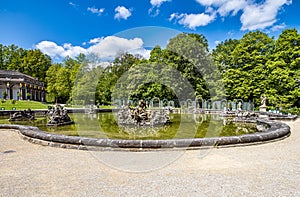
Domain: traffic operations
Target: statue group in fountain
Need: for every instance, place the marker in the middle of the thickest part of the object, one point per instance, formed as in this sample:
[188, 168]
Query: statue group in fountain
[141, 116]
[26, 115]
[58, 116]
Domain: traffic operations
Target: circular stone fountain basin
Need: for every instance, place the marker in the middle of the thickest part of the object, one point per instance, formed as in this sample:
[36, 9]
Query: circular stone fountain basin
[269, 131]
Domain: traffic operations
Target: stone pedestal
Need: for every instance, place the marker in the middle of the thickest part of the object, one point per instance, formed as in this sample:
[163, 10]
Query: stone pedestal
[263, 108]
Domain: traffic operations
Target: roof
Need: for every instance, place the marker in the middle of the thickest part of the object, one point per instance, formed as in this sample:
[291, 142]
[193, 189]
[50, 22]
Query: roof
[15, 74]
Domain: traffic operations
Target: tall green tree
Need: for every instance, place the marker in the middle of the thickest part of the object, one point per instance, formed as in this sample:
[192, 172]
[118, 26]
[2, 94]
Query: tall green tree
[244, 70]
[284, 68]
[112, 73]
[188, 53]
[223, 55]
[51, 80]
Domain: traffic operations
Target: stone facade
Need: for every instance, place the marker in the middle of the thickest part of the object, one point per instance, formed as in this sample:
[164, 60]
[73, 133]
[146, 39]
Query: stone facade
[19, 86]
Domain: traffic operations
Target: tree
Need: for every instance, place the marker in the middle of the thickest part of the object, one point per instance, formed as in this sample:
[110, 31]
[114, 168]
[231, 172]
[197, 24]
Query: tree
[189, 54]
[223, 55]
[31, 62]
[36, 64]
[243, 65]
[51, 80]
[284, 67]
[110, 75]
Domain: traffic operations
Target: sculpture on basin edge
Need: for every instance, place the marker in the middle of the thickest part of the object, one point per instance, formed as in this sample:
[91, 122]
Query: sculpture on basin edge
[263, 101]
[58, 116]
[142, 117]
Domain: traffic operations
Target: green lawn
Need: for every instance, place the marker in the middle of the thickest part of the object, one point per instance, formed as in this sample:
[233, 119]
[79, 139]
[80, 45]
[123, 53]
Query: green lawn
[21, 105]
[101, 106]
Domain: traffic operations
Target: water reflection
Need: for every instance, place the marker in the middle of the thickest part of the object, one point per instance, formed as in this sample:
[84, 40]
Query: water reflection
[104, 125]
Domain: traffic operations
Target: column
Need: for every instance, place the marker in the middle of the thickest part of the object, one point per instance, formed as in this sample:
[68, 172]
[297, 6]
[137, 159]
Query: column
[21, 92]
[7, 91]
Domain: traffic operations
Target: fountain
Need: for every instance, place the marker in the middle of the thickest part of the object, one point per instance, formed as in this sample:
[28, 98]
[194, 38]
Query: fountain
[141, 128]
[58, 116]
[26, 115]
[140, 116]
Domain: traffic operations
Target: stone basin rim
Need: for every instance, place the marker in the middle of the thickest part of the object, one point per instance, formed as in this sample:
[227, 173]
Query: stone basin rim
[274, 131]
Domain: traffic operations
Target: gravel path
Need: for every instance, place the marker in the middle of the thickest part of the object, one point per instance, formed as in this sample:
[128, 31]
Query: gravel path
[271, 169]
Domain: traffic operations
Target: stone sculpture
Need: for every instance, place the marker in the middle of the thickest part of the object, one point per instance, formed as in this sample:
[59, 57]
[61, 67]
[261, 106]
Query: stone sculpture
[263, 100]
[58, 116]
[141, 116]
[263, 107]
[26, 115]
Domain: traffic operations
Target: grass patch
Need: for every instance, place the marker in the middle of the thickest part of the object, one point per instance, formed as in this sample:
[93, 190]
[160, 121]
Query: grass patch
[21, 105]
[95, 106]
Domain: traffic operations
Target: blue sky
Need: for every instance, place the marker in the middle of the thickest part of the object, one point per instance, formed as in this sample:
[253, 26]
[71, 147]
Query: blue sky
[69, 27]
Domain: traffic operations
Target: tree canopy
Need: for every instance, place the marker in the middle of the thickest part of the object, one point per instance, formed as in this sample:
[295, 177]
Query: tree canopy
[31, 62]
[257, 64]
[243, 68]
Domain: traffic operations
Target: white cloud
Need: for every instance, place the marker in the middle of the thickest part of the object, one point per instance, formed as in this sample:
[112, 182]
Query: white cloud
[72, 51]
[211, 2]
[56, 51]
[193, 21]
[233, 6]
[106, 48]
[50, 48]
[96, 40]
[110, 46]
[261, 16]
[254, 15]
[224, 7]
[278, 27]
[154, 11]
[122, 13]
[97, 11]
[157, 3]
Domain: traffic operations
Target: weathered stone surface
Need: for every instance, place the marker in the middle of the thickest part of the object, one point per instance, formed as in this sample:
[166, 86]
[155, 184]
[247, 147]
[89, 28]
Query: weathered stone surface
[274, 130]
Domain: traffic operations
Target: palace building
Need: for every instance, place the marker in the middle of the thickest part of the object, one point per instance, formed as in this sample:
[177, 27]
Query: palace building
[18, 86]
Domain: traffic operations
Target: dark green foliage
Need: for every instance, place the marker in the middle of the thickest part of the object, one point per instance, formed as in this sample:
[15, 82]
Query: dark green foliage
[258, 64]
[31, 62]
[244, 69]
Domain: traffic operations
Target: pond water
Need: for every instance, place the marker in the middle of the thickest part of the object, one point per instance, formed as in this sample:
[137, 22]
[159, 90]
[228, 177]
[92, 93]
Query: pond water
[104, 125]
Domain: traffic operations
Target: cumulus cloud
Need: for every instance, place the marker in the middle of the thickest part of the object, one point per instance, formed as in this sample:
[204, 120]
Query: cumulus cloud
[225, 7]
[106, 48]
[110, 46]
[193, 21]
[122, 13]
[254, 15]
[96, 40]
[50, 48]
[55, 51]
[233, 7]
[94, 10]
[261, 16]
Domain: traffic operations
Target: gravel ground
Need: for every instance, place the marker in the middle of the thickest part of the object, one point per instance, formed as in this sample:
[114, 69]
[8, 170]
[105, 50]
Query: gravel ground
[271, 169]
